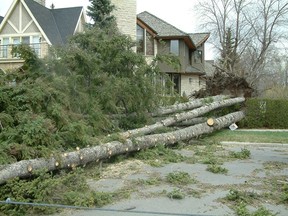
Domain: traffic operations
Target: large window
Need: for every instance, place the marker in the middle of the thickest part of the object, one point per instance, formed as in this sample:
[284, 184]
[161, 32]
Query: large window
[145, 42]
[174, 47]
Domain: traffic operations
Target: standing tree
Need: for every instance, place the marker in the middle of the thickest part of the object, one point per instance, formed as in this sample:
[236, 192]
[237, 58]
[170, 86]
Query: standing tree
[100, 12]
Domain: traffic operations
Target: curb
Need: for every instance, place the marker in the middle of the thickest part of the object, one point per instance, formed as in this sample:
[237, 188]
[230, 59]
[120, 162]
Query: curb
[264, 130]
[253, 144]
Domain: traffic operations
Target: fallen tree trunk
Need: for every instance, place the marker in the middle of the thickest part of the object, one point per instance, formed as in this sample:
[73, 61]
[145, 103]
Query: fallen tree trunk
[190, 122]
[26, 168]
[188, 106]
[176, 108]
[179, 117]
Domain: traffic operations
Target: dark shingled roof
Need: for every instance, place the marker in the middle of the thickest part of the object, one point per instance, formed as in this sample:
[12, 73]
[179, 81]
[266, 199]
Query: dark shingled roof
[162, 28]
[66, 19]
[1, 18]
[199, 38]
[58, 24]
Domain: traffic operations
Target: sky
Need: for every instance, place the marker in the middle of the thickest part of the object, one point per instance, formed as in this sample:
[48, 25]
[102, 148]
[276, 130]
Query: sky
[181, 14]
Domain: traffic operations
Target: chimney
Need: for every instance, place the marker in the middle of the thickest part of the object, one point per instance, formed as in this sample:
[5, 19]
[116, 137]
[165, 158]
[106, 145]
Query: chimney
[42, 2]
[125, 13]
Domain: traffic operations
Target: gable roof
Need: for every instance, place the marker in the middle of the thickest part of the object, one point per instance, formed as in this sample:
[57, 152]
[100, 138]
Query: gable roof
[199, 38]
[57, 24]
[66, 20]
[166, 30]
[162, 28]
[1, 18]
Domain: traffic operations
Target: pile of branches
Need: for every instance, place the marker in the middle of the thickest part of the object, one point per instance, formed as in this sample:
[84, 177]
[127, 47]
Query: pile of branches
[182, 119]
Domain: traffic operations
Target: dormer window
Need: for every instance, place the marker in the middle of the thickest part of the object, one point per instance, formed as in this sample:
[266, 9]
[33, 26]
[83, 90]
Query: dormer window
[198, 56]
[174, 47]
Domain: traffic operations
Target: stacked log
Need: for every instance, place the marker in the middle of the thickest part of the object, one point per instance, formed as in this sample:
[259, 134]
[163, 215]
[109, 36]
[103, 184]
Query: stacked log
[135, 140]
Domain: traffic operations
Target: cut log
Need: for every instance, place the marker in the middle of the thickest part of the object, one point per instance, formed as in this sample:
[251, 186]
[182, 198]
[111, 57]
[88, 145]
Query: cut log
[210, 122]
[179, 117]
[79, 157]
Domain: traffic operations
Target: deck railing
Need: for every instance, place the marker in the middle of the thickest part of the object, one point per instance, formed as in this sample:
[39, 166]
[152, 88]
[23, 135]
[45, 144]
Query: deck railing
[40, 49]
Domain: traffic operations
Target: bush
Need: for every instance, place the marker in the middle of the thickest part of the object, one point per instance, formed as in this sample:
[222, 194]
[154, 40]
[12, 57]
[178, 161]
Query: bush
[265, 113]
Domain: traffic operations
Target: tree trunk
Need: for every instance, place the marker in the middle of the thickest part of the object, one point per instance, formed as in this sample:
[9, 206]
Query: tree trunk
[26, 168]
[188, 106]
[191, 122]
[179, 117]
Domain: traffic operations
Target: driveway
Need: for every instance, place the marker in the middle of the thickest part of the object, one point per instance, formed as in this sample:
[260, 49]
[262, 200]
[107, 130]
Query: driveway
[261, 177]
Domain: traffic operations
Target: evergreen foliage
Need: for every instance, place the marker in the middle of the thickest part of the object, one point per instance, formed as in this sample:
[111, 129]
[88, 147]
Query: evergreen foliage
[100, 12]
[67, 100]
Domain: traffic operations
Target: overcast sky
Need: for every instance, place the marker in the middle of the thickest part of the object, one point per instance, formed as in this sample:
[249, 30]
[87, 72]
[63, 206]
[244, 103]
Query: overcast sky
[179, 13]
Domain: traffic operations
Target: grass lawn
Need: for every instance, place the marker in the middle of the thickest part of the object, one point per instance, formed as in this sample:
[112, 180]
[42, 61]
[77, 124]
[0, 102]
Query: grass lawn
[248, 136]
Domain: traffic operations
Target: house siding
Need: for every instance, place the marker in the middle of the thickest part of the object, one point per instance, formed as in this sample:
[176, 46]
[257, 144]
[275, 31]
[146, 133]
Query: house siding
[189, 84]
[32, 28]
[8, 29]
[14, 18]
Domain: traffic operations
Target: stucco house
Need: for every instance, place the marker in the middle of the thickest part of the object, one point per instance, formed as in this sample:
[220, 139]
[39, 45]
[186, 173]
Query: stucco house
[30, 22]
[155, 36]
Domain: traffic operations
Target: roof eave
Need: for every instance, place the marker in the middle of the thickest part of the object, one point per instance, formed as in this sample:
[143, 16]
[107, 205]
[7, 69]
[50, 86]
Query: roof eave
[79, 20]
[147, 27]
[186, 38]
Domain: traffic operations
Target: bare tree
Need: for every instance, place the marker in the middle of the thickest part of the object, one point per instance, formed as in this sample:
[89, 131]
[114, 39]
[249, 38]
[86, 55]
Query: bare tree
[245, 33]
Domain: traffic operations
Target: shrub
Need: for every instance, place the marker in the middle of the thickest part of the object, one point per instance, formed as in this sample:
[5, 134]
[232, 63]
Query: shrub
[265, 113]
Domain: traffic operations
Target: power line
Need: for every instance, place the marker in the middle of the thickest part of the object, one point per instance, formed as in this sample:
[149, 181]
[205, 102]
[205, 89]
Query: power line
[9, 202]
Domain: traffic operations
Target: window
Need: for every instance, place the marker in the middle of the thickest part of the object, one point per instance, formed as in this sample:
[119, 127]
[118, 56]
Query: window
[140, 40]
[198, 56]
[175, 79]
[36, 45]
[25, 40]
[149, 44]
[145, 42]
[4, 48]
[174, 47]
[33, 41]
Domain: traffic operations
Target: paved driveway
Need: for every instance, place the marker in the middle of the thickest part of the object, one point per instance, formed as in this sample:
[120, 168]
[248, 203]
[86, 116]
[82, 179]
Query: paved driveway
[204, 197]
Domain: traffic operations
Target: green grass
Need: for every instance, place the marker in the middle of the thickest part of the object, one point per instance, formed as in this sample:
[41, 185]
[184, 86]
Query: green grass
[216, 169]
[248, 136]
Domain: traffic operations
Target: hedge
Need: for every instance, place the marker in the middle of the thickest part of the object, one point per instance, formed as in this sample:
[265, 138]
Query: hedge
[265, 113]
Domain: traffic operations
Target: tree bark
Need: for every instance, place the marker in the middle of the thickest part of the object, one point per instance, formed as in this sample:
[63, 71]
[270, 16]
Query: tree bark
[26, 168]
[179, 117]
[188, 106]
[191, 122]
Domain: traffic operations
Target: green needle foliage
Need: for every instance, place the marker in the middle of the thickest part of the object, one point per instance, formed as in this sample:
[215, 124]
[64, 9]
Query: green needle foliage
[67, 99]
[100, 12]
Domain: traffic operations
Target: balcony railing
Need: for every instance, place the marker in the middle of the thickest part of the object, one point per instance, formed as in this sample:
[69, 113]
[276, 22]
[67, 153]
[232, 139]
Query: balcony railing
[40, 49]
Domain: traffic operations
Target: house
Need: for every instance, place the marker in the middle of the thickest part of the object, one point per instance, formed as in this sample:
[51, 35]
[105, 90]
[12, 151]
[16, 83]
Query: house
[155, 36]
[30, 22]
